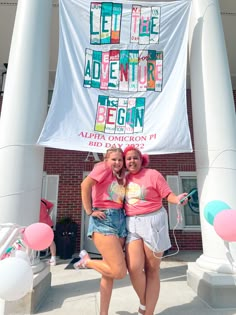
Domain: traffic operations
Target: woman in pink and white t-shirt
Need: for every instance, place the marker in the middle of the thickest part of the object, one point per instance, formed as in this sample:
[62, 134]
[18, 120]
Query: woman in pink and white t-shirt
[46, 207]
[147, 225]
[103, 194]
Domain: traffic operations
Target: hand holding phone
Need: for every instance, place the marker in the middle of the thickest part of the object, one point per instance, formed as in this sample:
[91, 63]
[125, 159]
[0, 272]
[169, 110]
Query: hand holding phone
[188, 197]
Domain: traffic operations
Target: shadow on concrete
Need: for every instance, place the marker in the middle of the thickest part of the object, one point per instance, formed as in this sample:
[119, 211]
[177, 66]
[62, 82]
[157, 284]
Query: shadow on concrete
[60, 292]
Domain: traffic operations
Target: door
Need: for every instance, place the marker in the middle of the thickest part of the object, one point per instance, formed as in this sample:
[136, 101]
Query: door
[87, 243]
[50, 192]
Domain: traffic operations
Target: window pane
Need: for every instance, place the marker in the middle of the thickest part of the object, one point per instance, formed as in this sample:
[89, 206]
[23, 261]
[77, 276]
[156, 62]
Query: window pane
[191, 210]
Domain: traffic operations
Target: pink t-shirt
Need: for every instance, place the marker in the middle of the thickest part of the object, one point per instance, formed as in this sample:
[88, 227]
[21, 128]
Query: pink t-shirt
[107, 193]
[44, 216]
[145, 191]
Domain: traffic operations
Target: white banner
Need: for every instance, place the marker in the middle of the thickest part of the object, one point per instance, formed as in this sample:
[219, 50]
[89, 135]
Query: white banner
[121, 77]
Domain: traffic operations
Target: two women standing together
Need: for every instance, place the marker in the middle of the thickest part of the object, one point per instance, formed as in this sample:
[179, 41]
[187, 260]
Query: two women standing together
[126, 210]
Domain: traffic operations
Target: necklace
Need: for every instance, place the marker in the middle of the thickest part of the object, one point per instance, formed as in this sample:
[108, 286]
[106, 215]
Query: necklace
[117, 175]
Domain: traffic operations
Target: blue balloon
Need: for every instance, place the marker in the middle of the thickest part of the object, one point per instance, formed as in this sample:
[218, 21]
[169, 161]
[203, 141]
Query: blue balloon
[212, 208]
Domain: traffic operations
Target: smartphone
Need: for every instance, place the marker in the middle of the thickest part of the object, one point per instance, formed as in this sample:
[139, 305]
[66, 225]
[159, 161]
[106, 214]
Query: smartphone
[188, 195]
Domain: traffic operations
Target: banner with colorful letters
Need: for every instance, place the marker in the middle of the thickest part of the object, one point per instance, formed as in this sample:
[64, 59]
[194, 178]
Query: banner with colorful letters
[121, 77]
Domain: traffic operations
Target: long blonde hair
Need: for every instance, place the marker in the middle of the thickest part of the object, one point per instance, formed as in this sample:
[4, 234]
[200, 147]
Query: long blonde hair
[121, 175]
[112, 150]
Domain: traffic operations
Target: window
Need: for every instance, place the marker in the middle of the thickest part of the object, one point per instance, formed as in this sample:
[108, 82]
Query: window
[191, 210]
[185, 182]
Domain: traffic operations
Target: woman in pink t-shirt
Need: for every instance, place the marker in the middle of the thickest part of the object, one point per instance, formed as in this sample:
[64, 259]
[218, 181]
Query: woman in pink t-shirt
[147, 225]
[46, 208]
[103, 194]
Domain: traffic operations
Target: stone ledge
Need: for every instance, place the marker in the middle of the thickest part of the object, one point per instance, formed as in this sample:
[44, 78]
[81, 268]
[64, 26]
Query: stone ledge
[216, 289]
[31, 301]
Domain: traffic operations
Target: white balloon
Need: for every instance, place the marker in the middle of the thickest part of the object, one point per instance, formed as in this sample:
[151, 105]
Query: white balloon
[23, 255]
[16, 278]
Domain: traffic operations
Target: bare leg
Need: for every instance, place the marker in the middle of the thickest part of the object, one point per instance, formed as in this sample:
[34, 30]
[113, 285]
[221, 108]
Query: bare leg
[152, 270]
[106, 286]
[53, 249]
[135, 261]
[113, 264]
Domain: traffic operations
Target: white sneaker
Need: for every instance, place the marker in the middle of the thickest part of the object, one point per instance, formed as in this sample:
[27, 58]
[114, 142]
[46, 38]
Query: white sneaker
[84, 257]
[52, 262]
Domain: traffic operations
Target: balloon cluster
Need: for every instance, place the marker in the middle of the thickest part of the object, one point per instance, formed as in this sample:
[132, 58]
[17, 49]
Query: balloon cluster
[223, 218]
[15, 268]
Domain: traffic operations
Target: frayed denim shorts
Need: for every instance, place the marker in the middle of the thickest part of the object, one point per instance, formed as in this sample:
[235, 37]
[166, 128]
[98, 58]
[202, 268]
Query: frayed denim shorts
[113, 224]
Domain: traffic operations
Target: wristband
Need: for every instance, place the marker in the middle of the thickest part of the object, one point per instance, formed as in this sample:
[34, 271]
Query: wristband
[89, 214]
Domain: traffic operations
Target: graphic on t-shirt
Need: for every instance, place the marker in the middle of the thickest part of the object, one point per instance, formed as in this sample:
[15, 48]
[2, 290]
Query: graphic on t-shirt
[116, 192]
[134, 193]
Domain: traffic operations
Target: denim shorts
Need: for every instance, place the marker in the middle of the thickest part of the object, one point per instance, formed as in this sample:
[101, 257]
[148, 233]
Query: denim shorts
[113, 224]
[152, 228]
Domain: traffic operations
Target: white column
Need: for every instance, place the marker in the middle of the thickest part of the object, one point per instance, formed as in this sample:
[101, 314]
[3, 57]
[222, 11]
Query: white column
[214, 136]
[23, 113]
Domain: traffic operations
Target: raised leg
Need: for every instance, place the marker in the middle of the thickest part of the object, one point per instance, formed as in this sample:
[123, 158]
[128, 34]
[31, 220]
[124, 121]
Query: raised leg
[113, 264]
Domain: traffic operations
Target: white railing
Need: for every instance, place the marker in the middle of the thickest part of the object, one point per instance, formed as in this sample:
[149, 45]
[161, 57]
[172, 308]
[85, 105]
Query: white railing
[11, 235]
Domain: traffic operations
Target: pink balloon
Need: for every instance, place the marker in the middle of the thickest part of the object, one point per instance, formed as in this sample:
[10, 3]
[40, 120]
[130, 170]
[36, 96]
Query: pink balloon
[224, 225]
[38, 236]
